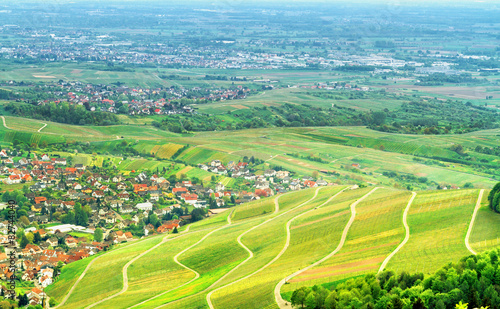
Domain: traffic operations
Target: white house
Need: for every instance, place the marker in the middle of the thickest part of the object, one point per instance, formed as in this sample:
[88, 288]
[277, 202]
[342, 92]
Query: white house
[145, 206]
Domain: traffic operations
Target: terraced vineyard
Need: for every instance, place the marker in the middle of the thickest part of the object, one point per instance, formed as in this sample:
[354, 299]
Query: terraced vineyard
[332, 233]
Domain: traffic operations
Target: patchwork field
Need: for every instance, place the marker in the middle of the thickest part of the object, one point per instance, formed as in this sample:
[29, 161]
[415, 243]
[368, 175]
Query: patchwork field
[217, 261]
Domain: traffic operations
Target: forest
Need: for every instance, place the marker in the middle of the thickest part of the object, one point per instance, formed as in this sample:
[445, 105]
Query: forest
[63, 113]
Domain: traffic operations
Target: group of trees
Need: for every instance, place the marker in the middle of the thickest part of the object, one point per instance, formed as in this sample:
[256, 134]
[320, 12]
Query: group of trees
[63, 113]
[474, 280]
[78, 216]
[494, 198]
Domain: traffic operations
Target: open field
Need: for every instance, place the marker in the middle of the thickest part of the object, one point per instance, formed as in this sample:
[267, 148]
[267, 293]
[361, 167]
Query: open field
[375, 233]
[438, 224]
[315, 219]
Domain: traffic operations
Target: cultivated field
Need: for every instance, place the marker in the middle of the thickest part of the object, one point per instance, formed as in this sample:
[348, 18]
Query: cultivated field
[217, 261]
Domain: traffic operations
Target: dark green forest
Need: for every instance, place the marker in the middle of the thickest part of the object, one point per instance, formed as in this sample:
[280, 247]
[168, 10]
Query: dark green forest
[62, 113]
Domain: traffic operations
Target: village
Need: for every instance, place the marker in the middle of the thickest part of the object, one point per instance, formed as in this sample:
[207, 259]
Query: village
[130, 101]
[71, 212]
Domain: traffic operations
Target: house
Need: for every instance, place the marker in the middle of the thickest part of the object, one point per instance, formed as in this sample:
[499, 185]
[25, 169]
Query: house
[219, 187]
[123, 195]
[356, 165]
[120, 237]
[98, 194]
[189, 198]
[80, 167]
[144, 206]
[310, 184]
[294, 185]
[116, 179]
[53, 241]
[322, 182]
[269, 173]
[13, 179]
[179, 191]
[36, 292]
[40, 199]
[121, 186]
[127, 210]
[110, 219]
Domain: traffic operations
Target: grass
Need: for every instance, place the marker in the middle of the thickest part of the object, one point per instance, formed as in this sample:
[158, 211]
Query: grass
[438, 222]
[486, 228]
[254, 208]
[111, 264]
[376, 231]
[266, 242]
[67, 278]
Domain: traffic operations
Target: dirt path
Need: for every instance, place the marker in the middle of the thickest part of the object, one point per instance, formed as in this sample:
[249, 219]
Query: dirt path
[197, 274]
[4, 124]
[44, 125]
[478, 204]
[407, 228]
[277, 295]
[210, 305]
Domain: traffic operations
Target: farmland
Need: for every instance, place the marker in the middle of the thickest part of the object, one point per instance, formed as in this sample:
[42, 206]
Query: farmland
[315, 219]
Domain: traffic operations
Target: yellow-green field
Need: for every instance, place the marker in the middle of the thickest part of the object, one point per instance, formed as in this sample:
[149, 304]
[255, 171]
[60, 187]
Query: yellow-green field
[212, 260]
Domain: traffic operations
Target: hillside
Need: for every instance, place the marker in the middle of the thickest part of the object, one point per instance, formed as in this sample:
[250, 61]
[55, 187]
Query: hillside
[215, 262]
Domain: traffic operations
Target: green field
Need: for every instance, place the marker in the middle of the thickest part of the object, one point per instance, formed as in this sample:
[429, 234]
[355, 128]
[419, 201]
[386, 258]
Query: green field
[438, 221]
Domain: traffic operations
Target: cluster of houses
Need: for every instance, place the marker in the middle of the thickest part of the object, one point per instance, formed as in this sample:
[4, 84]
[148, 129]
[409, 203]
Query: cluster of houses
[263, 183]
[114, 203]
[135, 101]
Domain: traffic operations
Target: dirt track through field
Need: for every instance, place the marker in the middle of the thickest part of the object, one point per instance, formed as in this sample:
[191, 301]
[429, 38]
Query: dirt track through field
[4, 124]
[210, 305]
[239, 265]
[478, 204]
[277, 294]
[407, 237]
[88, 267]
[44, 125]
[197, 274]
[125, 269]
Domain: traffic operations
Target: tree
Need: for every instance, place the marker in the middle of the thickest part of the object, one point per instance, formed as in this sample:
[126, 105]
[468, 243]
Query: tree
[419, 304]
[153, 219]
[24, 241]
[37, 238]
[24, 220]
[98, 234]
[310, 301]
[30, 237]
[331, 301]
[175, 231]
[299, 296]
[23, 300]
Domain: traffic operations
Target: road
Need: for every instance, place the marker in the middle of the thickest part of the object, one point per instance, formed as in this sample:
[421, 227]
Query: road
[44, 125]
[478, 204]
[277, 294]
[4, 124]
[197, 274]
[407, 228]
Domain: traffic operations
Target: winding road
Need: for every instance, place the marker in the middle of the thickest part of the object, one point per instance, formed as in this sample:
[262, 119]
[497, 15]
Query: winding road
[277, 295]
[4, 124]
[478, 205]
[197, 274]
[407, 237]
[44, 125]
[250, 251]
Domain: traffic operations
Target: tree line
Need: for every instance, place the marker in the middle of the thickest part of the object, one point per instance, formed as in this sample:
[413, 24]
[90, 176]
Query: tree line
[62, 113]
[494, 198]
[474, 280]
